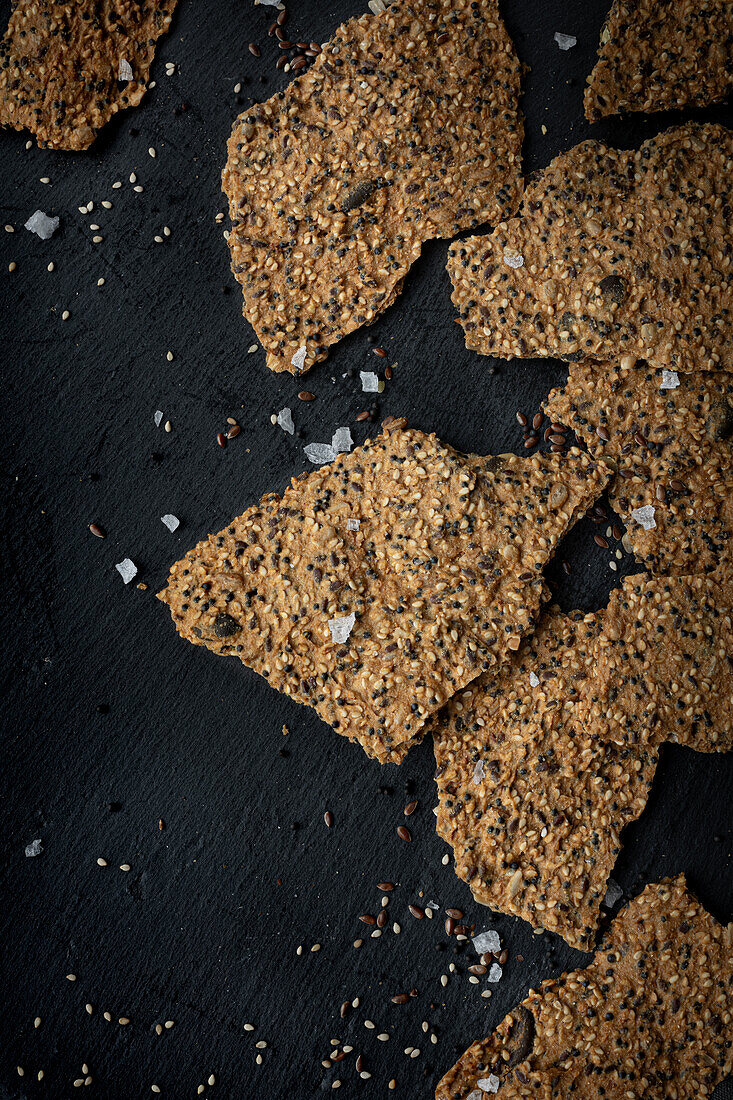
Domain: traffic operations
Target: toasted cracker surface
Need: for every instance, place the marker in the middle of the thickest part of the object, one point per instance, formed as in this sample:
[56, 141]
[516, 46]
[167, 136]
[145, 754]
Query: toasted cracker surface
[650, 1017]
[673, 448]
[657, 55]
[662, 663]
[616, 255]
[531, 800]
[407, 127]
[443, 577]
[60, 62]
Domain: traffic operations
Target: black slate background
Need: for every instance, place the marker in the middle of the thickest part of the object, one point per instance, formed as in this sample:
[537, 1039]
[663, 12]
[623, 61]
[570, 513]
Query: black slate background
[112, 722]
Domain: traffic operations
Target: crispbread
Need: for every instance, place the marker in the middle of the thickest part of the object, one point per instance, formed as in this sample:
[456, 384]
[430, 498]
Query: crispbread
[532, 802]
[658, 55]
[60, 62]
[407, 127]
[673, 450]
[443, 575]
[662, 663]
[616, 255]
[649, 1017]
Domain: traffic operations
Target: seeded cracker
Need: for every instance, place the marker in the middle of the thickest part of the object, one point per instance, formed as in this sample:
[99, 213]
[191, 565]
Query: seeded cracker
[60, 62]
[625, 254]
[649, 1017]
[662, 664]
[406, 127]
[443, 576]
[531, 800]
[674, 451]
[658, 55]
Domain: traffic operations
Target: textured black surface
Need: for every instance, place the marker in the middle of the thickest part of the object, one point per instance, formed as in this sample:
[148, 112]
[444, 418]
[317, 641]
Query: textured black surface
[113, 722]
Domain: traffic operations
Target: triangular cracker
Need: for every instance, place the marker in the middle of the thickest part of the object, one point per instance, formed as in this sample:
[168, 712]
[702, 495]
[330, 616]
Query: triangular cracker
[443, 575]
[616, 255]
[61, 63]
[531, 800]
[407, 127]
[649, 1017]
[662, 663]
[660, 55]
[671, 437]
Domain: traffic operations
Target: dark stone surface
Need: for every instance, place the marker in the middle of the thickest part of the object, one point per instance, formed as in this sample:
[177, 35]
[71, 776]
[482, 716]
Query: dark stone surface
[113, 722]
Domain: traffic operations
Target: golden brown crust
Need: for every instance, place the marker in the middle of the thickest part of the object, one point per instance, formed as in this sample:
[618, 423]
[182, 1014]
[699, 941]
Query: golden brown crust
[443, 576]
[658, 55]
[616, 255]
[407, 127]
[650, 1017]
[662, 663]
[532, 801]
[60, 63]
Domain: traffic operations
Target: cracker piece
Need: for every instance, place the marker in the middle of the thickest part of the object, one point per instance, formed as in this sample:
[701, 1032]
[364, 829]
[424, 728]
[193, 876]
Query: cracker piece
[615, 255]
[649, 1017]
[532, 802]
[659, 55]
[674, 451]
[444, 575]
[662, 664]
[407, 127]
[60, 63]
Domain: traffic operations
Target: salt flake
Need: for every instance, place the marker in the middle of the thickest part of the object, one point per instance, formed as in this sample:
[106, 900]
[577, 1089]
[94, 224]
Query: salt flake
[320, 453]
[478, 771]
[614, 893]
[487, 941]
[341, 628]
[285, 420]
[125, 70]
[513, 259]
[127, 569]
[171, 522]
[670, 380]
[565, 41]
[645, 516]
[298, 360]
[490, 1083]
[475, 1094]
[534, 680]
[157, 417]
[495, 973]
[34, 849]
[369, 381]
[341, 440]
[43, 226]
[352, 524]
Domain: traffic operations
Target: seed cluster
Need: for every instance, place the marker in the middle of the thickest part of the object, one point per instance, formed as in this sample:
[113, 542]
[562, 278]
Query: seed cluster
[407, 127]
[650, 1016]
[660, 56]
[616, 255]
[60, 63]
[670, 439]
[442, 578]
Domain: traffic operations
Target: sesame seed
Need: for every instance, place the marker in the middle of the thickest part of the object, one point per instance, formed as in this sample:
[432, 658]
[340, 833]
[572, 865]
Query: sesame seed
[316, 947]
[102, 862]
[107, 1016]
[50, 266]
[71, 977]
[100, 282]
[123, 1021]
[10, 229]
[65, 315]
[168, 426]
[12, 265]
[124, 866]
[89, 1008]
[97, 239]
[106, 204]
[169, 356]
[249, 1027]
[151, 152]
[261, 1045]
[117, 184]
[44, 179]
[212, 1080]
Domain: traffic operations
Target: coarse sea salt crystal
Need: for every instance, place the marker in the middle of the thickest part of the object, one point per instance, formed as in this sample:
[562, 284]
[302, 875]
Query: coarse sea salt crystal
[534, 680]
[513, 259]
[171, 522]
[495, 973]
[352, 524]
[565, 41]
[127, 569]
[369, 381]
[645, 516]
[34, 849]
[43, 226]
[490, 1083]
[614, 893]
[341, 440]
[670, 380]
[125, 70]
[478, 771]
[285, 420]
[157, 417]
[432, 905]
[341, 628]
[476, 1094]
[487, 941]
[298, 360]
[319, 453]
